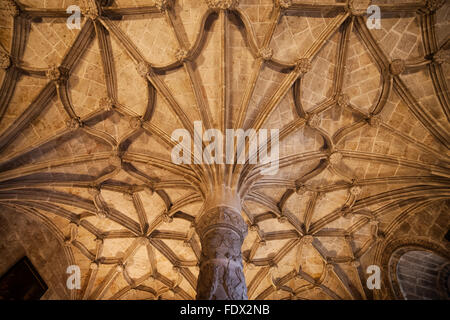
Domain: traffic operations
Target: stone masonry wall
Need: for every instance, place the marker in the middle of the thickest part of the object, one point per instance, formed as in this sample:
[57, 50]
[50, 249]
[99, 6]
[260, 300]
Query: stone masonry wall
[418, 274]
[21, 235]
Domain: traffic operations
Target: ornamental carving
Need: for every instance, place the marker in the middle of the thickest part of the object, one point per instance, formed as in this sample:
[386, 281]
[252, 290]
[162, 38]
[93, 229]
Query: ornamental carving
[94, 191]
[375, 121]
[93, 266]
[343, 100]
[355, 263]
[250, 89]
[434, 5]
[314, 121]
[397, 67]
[74, 123]
[5, 60]
[355, 191]
[181, 55]
[89, 9]
[143, 69]
[12, 8]
[442, 56]
[284, 4]
[222, 217]
[301, 190]
[106, 103]
[307, 239]
[329, 266]
[221, 274]
[163, 5]
[335, 158]
[135, 123]
[166, 218]
[115, 161]
[358, 7]
[266, 53]
[303, 66]
[222, 4]
[53, 73]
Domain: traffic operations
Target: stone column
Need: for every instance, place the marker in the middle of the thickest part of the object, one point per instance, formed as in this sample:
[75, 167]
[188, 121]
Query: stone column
[222, 231]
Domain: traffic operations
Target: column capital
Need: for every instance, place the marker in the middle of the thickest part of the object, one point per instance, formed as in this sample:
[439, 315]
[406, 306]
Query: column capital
[222, 217]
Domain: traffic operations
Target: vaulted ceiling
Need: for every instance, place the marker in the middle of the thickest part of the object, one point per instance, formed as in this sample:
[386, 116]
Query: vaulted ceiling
[86, 117]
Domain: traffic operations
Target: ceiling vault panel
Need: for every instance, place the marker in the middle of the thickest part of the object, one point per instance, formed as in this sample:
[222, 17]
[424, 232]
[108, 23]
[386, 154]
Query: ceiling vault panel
[86, 140]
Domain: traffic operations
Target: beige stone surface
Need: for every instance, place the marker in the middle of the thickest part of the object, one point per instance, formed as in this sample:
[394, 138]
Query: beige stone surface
[364, 160]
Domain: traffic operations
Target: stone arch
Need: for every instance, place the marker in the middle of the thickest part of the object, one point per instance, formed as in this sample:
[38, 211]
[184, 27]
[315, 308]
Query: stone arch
[423, 275]
[395, 250]
[46, 225]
